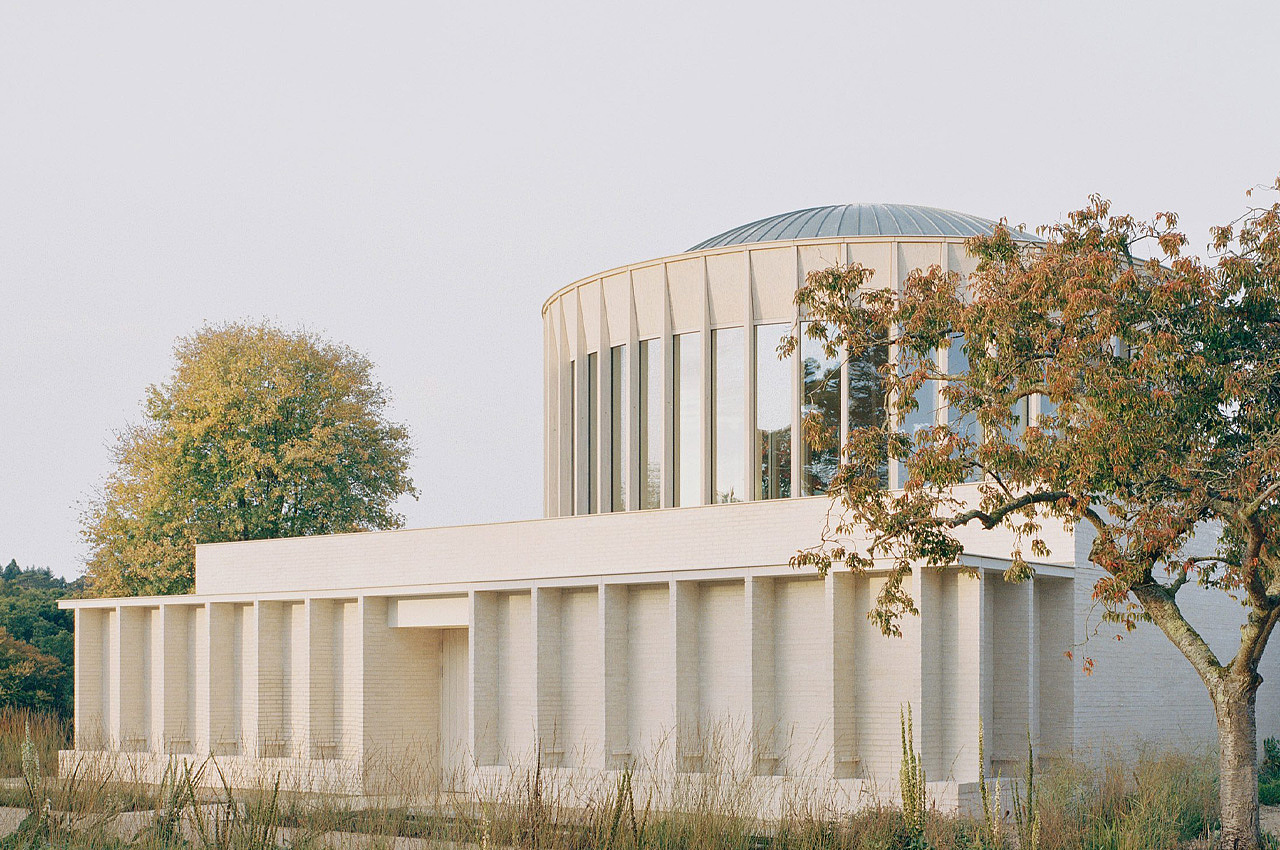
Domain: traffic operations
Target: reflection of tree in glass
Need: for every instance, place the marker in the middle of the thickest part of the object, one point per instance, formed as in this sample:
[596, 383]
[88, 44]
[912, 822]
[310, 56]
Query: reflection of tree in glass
[866, 396]
[821, 423]
[723, 497]
[775, 462]
[652, 496]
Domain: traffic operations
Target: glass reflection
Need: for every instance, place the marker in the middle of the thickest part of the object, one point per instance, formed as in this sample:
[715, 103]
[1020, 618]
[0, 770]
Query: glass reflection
[926, 413]
[573, 436]
[687, 399]
[650, 398]
[618, 402]
[593, 415]
[773, 414]
[728, 402]
[820, 409]
[867, 406]
[963, 424]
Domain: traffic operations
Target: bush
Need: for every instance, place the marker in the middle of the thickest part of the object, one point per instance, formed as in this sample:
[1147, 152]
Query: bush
[1269, 793]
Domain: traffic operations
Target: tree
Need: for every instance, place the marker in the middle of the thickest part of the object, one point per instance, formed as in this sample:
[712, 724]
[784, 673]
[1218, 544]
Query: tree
[258, 433]
[28, 677]
[1161, 380]
[29, 613]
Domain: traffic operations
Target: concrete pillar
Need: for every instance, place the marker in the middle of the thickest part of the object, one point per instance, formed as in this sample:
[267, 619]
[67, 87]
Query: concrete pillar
[90, 729]
[839, 672]
[176, 715]
[1033, 663]
[925, 633]
[270, 632]
[111, 666]
[198, 657]
[761, 674]
[298, 720]
[245, 627]
[613, 654]
[545, 613]
[483, 673]
[684, 646]
[986, 662]
[942, 695]
[352, 686]
[155, 680]
[320, 678]
[221, 670]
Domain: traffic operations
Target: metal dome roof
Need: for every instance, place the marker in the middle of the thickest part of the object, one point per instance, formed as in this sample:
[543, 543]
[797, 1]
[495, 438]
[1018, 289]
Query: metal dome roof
[857, 220]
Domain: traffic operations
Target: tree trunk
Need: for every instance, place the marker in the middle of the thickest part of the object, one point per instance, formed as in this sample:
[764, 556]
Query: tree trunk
[1235, 706]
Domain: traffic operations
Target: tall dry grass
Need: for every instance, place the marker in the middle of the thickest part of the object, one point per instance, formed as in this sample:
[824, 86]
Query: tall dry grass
[1109, 801]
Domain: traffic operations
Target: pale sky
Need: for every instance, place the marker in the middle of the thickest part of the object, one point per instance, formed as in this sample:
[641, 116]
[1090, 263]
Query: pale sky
[414, 179]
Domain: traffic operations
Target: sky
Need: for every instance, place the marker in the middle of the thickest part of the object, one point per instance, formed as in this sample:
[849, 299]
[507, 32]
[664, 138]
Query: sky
[414, 179]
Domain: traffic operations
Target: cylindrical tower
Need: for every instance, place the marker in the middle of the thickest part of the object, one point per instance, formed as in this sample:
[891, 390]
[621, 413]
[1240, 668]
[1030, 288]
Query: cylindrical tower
[663, 385]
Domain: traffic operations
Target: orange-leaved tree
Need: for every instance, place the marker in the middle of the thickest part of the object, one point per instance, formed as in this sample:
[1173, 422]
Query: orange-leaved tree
[1160, 420]
[258, 433]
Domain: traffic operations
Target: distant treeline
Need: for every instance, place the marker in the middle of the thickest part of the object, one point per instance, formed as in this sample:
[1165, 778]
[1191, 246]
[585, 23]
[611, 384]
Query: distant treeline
[37, 648]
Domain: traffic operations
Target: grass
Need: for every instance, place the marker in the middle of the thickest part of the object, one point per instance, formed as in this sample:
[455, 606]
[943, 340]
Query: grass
[1108, 801]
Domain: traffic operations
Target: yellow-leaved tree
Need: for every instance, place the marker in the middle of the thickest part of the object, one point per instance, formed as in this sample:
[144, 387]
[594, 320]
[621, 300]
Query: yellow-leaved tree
[258, 433]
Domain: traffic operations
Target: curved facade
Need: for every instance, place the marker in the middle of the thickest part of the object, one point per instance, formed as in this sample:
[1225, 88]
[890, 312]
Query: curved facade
[610, 635]
[663, 386]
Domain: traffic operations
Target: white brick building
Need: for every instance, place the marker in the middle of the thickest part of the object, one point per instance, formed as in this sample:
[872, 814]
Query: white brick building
[651, 618]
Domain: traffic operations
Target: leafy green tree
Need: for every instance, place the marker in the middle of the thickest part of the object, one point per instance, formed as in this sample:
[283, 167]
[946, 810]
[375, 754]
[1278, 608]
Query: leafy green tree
[28, 677]
[29, 613]
[258, 433]
[1162, 420]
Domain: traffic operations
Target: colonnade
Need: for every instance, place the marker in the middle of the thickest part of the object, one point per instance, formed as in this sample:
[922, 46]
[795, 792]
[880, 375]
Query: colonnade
[767, 671]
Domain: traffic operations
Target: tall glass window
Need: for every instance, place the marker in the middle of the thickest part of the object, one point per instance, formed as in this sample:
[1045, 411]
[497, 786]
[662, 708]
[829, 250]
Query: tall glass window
[1047, 409]
[866, 395]
[618, 406]
[964, 424]
[926, 413]
[1021, 418]
[573, 436]
[820, 407]
[650, 398]
[687, 388]
[773, 414]
[593, 417]
[728, 403]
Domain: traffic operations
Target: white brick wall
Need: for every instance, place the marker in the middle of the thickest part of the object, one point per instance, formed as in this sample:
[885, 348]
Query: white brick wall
[606, 656]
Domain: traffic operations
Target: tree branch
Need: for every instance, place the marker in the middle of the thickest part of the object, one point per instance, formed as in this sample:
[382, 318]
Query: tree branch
[992, 519]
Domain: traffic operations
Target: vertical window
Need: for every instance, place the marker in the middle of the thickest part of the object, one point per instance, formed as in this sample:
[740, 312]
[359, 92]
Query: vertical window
[820, 409]
[963, 424]
[1021, 418]
[728, 405]
[593, 417]
[650, 460]
[866, 395]
[687, 374]
[926, 413]
[1048, 410]
[773, 414]
[618, 405]
[573, 436]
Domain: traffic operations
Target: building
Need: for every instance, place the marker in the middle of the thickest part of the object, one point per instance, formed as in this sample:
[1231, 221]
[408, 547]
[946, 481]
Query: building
[651, 618]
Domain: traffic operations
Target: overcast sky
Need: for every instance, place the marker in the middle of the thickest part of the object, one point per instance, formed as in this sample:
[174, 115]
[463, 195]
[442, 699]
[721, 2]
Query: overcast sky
[414, 179]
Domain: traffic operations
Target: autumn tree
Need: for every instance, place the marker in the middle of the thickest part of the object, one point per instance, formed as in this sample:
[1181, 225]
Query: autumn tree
[257, 433]
[29, 678]
[1159, 434]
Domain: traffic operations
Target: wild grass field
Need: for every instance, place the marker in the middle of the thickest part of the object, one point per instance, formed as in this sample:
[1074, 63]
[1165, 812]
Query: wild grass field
[1148, 799]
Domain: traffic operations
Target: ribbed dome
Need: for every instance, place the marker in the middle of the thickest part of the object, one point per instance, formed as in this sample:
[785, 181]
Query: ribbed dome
[857, 220]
